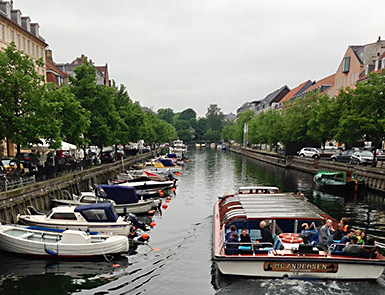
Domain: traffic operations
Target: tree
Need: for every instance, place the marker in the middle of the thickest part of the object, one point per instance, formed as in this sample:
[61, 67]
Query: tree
[166, 115]
[243, 118]
[363, 110]
[188, 114]
[99, 100]
[214, 117]
[212, 135]
[25, 113]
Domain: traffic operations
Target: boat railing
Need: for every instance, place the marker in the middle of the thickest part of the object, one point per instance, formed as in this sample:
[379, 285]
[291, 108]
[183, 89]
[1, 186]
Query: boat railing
[337, 248]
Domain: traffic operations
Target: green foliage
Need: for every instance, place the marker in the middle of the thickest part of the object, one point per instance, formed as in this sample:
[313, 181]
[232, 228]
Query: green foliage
[212, 135]
[26, 113]
[188, 114]
[244, 117]
[166, 115]
[215, 117]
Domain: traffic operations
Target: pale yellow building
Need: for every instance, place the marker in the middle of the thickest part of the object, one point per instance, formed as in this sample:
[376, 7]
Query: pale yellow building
[14, 27]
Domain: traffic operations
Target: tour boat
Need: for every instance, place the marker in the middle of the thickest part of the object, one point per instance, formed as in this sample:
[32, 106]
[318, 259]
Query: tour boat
[124, 199]
[178, 147]
[288, 257]
[100, 217]
[341, 180]
[59, 243]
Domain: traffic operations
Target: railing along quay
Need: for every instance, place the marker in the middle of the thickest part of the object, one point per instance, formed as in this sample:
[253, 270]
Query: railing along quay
[39, 194]
[373, 177]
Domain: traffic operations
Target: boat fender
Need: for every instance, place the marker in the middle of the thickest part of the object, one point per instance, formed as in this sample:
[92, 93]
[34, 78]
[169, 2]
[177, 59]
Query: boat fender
[51, 252]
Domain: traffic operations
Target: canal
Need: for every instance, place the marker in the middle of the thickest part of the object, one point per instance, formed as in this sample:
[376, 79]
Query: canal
[183, 237]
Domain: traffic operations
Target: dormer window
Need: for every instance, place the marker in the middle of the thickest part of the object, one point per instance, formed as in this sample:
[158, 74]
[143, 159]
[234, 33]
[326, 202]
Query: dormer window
[346, 64]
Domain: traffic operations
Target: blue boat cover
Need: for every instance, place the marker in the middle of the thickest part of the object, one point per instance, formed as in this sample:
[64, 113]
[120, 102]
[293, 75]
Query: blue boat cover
[100, 212]
[167, 162]
[118, 193]
[172, 156]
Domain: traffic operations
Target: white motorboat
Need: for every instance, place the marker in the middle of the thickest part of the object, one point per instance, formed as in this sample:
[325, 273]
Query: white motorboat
[124, 199]
[150, 184]
[100, 217]
[288, 257]
[64, 243]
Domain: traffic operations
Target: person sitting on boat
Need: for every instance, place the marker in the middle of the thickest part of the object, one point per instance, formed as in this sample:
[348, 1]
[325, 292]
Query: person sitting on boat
[232, 242]
[339, 232]
[266, 236]
[364, 237]
[369, 250]
[244, 237]
[308, 233]
[345, 240]
[345, 222]
[233, 229]
[325, 235]
[352, 249]
[358, 234]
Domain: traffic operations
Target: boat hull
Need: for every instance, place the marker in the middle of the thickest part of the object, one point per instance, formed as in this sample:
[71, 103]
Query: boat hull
[50, 247]
[300, 270]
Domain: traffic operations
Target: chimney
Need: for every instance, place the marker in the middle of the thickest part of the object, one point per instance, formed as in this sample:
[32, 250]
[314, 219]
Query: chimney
[16, 16]
[48, 54]
[35, 29]
[6, 8]
[26, 23]
[379, 39]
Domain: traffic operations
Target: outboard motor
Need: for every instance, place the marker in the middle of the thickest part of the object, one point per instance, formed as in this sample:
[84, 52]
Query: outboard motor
[135, 222]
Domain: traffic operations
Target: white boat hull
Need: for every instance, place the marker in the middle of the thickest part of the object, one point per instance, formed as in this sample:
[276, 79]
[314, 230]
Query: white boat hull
[48, 245]
[345, 270]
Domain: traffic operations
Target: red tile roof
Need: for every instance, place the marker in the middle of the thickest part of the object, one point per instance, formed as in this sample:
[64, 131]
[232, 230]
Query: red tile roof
[292, 92]
[329, 80]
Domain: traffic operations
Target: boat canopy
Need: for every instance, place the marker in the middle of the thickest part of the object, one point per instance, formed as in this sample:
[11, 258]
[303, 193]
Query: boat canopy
[100, 212]
[119, 194]
[167, 162]
[267, 206]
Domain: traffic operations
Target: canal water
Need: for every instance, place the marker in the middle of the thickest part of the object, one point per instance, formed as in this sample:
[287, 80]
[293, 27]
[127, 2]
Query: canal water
[182, 237]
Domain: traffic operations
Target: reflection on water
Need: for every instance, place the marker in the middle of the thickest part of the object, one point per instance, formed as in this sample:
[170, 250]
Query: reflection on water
[183, 236]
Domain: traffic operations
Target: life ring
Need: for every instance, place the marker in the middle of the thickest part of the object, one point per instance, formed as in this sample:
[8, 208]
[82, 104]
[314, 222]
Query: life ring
[292, 240]
[287, 235]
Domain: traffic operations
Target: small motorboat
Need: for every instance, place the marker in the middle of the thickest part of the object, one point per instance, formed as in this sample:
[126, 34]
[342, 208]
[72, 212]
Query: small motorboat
[124, 199]
[59, 243]
[341, 180]
[100, 217]
[149, 184]
[159, 165]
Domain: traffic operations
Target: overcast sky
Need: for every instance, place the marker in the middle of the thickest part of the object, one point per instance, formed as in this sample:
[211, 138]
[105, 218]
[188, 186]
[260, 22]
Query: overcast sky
[181, 54]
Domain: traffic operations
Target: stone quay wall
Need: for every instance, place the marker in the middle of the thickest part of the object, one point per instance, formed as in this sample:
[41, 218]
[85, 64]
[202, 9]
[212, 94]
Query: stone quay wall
[39, 194]
[374, 177]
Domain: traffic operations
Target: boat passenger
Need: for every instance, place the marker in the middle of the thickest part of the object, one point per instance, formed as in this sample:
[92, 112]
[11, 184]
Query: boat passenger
[325, 235]
[358, 235]
[345, 240]
[364, 237]
[232, 242]
[369, 250]
[339, 233]
[233, 229]
[266, 235]
[352, 249]
[308, 233]
[244, 237]
[345, 222]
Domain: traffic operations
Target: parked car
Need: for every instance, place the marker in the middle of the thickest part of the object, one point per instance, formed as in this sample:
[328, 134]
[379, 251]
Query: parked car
[108, 157]
[10, 164]
[342, 156]
[362, 158]
[310, 152]
[380, 154]
[29, 160]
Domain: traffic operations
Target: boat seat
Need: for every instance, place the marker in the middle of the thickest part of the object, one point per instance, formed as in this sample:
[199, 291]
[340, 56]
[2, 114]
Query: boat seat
[262, 248]
[307, 249]
[231, 251]
[26, 235]
[245, 249]
[255, 234]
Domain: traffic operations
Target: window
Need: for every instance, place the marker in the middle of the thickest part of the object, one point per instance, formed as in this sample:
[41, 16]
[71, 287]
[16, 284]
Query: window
[18, 41]
[2, 33]
[65, 216]
[352, 80]
[95, 215]
[33, 50]
[12, 33]
[383, 63]
[346, 64]
[23, 44]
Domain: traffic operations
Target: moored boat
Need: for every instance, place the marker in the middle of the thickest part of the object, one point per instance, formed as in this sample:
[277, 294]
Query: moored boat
[341, 180]
[100, 217]
[59, 243]
[288, 256]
